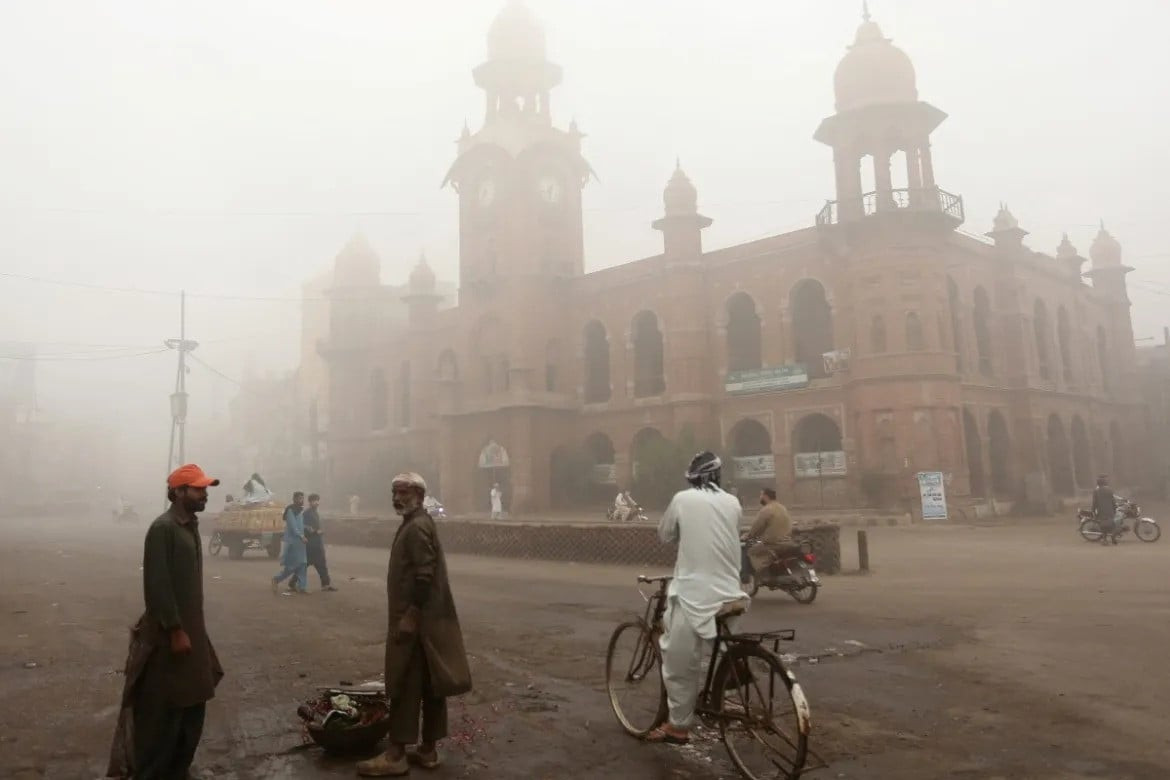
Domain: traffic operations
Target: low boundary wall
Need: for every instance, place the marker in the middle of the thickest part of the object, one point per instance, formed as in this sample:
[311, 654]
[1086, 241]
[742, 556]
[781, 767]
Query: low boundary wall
[617, 544]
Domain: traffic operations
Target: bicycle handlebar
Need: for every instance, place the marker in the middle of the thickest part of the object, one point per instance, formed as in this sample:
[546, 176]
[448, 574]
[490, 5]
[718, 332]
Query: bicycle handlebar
[644, 578]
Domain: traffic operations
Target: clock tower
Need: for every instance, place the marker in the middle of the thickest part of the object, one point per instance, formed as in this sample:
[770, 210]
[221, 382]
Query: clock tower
[519, 179]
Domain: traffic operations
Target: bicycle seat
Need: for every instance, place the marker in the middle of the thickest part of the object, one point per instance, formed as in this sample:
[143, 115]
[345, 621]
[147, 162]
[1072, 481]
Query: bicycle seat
[733, 608]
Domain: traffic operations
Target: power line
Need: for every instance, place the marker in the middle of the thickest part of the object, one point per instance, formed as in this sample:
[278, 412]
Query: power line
[79, 358]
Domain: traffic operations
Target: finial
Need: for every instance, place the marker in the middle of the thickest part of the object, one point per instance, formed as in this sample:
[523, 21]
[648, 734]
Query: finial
[422, 256]
[677, 163]
[1102, 224]
[865, 10]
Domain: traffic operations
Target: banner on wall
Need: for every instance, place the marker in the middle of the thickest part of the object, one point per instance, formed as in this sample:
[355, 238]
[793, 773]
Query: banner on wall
[493, 456]
[932, 488]
[810, 465]
[755, 467]
[762, 380]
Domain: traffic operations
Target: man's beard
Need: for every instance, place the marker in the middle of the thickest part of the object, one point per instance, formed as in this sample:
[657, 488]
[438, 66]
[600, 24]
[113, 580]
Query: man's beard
[403, 508]
[194, 505]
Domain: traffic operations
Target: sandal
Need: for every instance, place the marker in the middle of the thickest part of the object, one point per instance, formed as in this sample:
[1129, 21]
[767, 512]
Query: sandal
[662, 736]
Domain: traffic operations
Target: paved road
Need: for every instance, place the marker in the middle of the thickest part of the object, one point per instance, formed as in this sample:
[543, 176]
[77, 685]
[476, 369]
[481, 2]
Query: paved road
[966, 653]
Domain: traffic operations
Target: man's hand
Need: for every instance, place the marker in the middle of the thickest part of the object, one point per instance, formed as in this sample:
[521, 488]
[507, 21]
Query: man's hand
[408, 625]
[180, 642]
[305, 539]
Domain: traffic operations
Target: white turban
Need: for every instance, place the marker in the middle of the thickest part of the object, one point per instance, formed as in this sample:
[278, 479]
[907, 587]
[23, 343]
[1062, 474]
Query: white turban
[411, 479]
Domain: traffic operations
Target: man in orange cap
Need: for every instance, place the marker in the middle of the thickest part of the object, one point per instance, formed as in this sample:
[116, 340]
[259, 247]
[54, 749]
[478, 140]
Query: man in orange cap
[172, 669]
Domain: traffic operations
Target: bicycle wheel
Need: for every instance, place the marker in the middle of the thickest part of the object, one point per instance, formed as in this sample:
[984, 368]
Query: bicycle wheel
[215, 544]
[763, 716]
[633, 679]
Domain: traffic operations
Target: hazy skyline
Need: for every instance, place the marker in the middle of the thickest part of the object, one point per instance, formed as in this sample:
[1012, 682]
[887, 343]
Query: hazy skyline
[233, 149]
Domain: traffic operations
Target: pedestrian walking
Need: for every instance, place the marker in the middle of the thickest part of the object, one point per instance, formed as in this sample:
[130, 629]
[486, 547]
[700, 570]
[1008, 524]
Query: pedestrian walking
[294, 557]
[497, 499]
[425, 660]
[315, 548]
[171, 667]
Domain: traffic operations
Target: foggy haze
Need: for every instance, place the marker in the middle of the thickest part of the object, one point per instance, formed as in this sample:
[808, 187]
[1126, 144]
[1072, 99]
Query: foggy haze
[232, 148]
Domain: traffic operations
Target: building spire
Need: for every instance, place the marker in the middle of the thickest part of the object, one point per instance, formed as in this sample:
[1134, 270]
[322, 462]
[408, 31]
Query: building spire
[865, 10]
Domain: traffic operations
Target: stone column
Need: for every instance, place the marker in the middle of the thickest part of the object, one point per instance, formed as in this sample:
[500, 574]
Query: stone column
[882, 181]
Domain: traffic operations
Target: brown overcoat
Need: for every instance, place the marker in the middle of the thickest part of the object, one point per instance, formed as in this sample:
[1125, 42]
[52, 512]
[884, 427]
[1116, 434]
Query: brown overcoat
[417, 554]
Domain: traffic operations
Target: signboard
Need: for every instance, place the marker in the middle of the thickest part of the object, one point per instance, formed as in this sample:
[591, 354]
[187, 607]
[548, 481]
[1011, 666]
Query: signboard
[603, 474]
[837, 360]
[493, 456]
[755, 467]
[810, 465]
[761, 380]
[932, 487]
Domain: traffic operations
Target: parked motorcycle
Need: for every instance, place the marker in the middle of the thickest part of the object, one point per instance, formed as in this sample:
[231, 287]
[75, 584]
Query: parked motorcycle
[433, 508]
[1130, 518]
[790, 569]
[636, 514]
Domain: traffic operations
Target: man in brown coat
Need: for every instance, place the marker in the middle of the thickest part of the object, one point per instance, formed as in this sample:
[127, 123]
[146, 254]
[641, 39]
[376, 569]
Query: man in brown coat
[425, 660]
[773, 526]
[171, 669]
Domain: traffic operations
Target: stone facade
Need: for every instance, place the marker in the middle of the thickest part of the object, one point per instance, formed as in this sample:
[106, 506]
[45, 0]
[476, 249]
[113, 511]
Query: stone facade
[835, 361]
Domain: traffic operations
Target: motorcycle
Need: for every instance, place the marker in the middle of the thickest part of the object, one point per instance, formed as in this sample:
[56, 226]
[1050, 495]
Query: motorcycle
[127, 515]
[636, 513]
[790, 569]
[1129, 518]
[433, 508]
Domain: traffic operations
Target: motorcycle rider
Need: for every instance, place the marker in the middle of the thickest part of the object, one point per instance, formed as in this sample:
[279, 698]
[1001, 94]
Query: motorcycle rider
[1105, 509]
[704, 521]
[623, 506]
[773, 527]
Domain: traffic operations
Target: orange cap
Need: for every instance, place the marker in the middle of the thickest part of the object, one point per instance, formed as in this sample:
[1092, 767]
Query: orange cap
[190, 475]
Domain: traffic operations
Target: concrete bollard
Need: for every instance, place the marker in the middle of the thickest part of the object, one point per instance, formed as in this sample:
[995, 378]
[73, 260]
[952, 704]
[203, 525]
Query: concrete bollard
[862, 551]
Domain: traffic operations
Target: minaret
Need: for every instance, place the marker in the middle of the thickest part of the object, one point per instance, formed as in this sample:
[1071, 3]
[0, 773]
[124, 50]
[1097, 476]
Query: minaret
[1069, 258]
[879, 115]
[422, 302]
[1108, 274]
[681, 223]
[1006, 231]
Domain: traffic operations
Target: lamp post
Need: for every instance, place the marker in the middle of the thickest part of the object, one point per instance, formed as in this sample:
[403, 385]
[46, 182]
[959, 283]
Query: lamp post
[179, 397]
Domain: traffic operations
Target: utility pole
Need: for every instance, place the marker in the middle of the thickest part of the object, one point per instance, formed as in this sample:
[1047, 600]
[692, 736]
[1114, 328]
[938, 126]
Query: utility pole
[179, 397]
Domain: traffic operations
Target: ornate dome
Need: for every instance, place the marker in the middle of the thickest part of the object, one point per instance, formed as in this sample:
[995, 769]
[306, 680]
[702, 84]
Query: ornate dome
[1065, 250]
[422, 278]
[357, 264]
[516, 34]
[680, 195]
[1105, 250]
[873, 72]
[1004, 219]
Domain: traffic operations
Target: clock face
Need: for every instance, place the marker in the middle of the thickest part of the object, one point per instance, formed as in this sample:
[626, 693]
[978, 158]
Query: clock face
[551, 190]
[485, 194]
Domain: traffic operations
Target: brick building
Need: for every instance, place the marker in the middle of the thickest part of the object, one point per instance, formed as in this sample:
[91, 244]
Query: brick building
[834, 361]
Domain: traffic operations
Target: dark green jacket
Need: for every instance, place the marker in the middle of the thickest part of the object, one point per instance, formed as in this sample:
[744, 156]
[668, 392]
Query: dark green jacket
[417, 555]
[172, 582]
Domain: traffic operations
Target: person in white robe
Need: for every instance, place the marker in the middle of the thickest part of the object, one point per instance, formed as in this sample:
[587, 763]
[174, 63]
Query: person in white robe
[704, 520]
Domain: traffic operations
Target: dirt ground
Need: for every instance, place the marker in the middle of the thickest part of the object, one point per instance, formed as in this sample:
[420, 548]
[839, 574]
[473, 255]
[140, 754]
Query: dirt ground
[968, 652]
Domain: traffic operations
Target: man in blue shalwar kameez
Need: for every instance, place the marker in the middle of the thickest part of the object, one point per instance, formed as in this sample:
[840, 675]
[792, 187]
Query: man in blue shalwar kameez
[294, 559]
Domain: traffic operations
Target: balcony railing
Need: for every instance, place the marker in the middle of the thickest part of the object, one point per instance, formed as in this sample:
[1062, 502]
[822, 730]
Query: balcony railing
[931, 200]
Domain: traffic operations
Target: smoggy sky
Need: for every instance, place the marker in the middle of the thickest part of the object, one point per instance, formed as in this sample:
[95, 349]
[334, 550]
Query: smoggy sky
[233, 147]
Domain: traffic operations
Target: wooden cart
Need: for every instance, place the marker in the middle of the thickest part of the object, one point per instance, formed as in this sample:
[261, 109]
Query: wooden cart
[247, 528]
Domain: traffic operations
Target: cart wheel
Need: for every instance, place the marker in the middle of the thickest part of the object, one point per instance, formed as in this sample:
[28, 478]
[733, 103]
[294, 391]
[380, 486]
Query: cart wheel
[215, 544]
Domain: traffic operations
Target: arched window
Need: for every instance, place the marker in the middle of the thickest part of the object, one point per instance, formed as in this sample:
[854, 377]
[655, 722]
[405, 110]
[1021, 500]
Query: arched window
[649, 379]
[817, 433]
[750, 445]
[596, 355]
[379, 400]
[1063, 337]
[914, 340]
[743, 334]
[552, 363]
[1059, 462]
[1000, 447]
[956, 328]
[1082, 454]
[974, 453]
[877, 335]
[448, 366]
[812, 325]
[1103, 358]
[982, 317]
[1042, 332]
[404, 395]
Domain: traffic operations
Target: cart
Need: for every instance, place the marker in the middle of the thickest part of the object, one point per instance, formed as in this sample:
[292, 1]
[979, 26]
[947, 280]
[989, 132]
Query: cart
[247, 528]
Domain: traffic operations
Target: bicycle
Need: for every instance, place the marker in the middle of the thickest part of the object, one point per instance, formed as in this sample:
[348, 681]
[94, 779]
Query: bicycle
[760, 709]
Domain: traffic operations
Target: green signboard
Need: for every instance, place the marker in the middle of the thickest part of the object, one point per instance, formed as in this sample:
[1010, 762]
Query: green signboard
[763, 380]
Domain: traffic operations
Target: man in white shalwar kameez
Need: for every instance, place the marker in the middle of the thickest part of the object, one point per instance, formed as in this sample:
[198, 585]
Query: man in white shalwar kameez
[704, 520]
